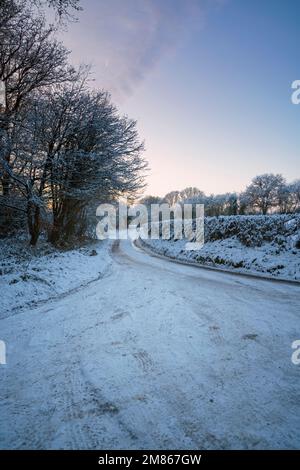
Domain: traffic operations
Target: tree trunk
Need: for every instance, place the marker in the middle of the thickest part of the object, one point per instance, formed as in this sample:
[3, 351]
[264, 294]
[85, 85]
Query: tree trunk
[67, 225]
[33, 220]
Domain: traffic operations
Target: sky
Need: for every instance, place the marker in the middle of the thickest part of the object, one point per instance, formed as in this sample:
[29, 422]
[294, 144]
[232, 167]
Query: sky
[208, 81]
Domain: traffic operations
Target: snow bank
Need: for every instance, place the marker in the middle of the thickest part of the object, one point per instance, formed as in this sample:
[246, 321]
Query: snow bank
[31, 275]
[255, 244]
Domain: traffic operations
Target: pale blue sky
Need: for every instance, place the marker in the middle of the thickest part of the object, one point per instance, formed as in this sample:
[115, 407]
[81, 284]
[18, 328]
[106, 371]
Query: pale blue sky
[208, 81]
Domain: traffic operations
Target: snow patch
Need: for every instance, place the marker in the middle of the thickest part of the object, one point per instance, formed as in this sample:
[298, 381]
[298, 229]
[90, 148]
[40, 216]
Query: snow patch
[30, 275]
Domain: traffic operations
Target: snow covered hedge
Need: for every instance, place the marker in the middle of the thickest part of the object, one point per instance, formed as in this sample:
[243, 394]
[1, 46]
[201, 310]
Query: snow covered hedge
[255, 230]
[267, 244]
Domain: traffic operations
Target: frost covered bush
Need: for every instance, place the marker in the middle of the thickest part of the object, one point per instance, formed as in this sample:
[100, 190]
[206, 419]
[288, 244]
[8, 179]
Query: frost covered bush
[281, 230]
[268, 244]
[254, 230]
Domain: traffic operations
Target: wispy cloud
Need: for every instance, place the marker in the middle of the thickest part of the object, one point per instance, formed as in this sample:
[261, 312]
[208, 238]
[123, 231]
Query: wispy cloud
[124, 39]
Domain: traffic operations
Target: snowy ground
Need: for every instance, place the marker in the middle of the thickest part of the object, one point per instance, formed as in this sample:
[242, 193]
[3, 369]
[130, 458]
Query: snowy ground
[231, 254]
[153, 355]
[31, 275]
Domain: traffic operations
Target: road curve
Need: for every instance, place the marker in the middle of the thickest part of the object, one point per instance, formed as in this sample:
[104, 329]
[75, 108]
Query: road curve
[154, 355]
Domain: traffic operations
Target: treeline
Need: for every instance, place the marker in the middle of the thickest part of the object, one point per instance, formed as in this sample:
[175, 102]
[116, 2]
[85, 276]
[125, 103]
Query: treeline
[267, 193]
[64, 148]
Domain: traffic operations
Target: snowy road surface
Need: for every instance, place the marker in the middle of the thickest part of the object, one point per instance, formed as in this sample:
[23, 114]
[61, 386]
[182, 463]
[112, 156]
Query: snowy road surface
[154, 355]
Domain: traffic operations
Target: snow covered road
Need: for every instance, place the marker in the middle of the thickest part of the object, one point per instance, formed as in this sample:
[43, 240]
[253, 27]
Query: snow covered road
[154, 355]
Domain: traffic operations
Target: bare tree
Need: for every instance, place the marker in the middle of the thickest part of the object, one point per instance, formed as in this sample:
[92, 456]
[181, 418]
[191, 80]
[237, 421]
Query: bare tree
[148, 200]
[263, 192]
[30, 59]
[62, 7]
[190, 193]
[62, 147]
[74, 151]
[100, 161]
[172, 197]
